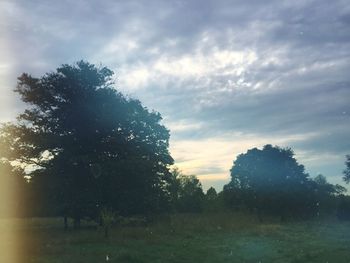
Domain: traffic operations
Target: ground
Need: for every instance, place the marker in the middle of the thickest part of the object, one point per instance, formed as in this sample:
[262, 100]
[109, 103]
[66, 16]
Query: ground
[180, 238]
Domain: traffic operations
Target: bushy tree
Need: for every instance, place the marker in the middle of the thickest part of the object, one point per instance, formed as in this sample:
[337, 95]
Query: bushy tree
[108, 217]
[186, 192]
[87, 144]
[271, 180]
[211, 194]
[213, 201]
[191, 194]
[326, 195]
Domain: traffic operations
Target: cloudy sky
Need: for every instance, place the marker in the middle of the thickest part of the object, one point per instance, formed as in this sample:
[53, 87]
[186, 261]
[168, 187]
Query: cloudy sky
[225, 75]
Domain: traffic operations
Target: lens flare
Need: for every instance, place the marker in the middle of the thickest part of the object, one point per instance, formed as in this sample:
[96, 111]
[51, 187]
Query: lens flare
[10, 238]
[9, 226]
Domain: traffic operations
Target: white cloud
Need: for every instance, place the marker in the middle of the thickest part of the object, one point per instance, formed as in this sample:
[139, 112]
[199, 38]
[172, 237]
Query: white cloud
[136, 78]
[203, 68]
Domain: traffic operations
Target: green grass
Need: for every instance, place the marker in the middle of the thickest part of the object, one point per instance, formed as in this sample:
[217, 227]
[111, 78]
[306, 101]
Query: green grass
[183, 238]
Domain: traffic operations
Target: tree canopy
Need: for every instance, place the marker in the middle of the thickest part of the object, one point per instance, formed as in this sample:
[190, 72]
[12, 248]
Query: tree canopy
[86, 145]
[272, 180]
[186, 192]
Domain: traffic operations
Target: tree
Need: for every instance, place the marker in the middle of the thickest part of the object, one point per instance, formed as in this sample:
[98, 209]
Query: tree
[186, 192]
[346, 172]
[326, 195]
[107, 217]
[173, 187]
[211, 194]
[191, 194]
[88, 144]
[270, 180]
[213, 201]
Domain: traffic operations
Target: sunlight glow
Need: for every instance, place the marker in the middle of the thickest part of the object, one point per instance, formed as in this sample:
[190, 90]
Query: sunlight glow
[191, 156]
[9, 238]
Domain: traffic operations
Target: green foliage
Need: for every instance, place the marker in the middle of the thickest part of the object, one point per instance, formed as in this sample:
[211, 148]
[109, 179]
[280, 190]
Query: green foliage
[271, 181]
[185, 192]
[108, 217]
[85, 145]
[326, 195]
[211, 194]
[213, 202]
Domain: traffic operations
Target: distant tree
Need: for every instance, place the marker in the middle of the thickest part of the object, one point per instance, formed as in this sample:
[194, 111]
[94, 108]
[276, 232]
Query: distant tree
[327, 188]
[191, 194]
[211, 194]
[173, 187]
[270, 180]
[346, 172]
[186, 192]
[213, 201]
[108, 217]
[88, 145]
[326, 195]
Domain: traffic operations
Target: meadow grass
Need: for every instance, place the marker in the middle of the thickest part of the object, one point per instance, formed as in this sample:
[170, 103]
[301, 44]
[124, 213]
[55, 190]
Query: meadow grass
[208, 238]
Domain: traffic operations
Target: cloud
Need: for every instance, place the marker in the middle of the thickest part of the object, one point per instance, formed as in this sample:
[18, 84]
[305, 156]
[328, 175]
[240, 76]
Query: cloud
[226, 76]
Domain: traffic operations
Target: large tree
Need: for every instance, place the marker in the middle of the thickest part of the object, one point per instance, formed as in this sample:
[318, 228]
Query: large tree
[271, 180]
[87, 145]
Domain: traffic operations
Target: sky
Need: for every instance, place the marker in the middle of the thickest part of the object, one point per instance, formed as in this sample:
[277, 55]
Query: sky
[226, 76]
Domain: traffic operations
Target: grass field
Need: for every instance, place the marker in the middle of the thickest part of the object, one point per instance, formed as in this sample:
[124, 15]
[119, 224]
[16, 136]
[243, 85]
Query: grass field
[180, 238]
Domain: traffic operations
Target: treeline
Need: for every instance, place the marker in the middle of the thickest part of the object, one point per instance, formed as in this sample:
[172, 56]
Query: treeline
[271, 181]
[84, 150]
[267, 182]
[283, 197]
